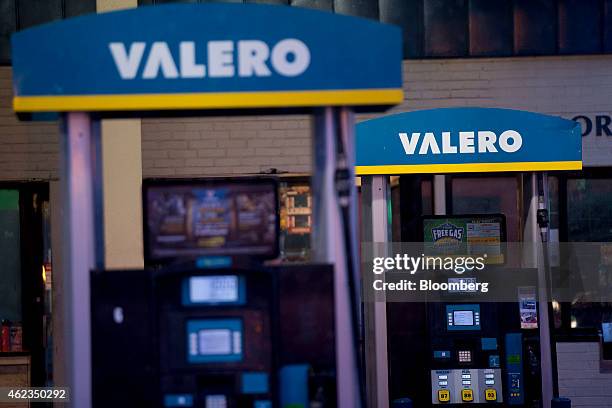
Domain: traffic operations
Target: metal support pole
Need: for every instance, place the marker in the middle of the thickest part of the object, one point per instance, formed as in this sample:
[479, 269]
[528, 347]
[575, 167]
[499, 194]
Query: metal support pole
[328, 239]
[81, 187]
[541, 189]
[439, 194]
[375, 197]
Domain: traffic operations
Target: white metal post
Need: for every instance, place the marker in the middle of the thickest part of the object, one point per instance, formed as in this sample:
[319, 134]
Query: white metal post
[439, 194]
[546, 365]
[375, 197]
[81, 190]
[328, 240]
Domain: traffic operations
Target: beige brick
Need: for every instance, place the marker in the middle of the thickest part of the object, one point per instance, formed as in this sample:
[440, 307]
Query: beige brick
[202, 144]
[267, 151]
[169, 162]
[262, 142]
[199, 162]
[246, 152]
[243, 134]
[183, 154]
[211, 153]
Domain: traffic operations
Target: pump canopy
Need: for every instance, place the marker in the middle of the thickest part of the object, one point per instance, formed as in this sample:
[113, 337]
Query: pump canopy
[467, 140]
[206, 56]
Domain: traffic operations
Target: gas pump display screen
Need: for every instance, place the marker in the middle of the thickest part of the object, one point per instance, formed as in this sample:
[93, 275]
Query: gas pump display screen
[211, 217]
[466, 235]
[214, 341]
[212, 290]
[463, 317]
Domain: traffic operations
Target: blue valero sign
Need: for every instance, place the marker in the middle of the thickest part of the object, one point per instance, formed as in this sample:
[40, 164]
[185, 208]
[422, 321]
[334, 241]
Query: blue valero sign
[467, 140]
[206, 56]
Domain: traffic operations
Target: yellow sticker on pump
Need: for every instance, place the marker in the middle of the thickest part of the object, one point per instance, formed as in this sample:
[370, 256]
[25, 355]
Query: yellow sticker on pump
[491, 394]
[467, 395]
[443, 395]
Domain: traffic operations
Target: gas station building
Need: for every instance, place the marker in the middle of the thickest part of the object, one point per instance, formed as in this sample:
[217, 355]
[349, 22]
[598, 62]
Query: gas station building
[471, 54]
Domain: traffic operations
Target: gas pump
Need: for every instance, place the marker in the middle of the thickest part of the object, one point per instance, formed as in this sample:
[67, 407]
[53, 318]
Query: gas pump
[210, 325]
[202, 66]
[458, 347]
[481, 351]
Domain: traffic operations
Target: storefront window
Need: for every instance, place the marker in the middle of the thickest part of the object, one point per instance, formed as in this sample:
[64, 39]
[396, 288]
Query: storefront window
[589, 210]
[10, 258]
[296, 220]
[427, 197]
[25, 347]
[589, 219]
[489, 195]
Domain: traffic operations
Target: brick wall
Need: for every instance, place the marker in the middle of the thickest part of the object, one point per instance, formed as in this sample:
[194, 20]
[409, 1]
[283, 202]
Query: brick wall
[579, 376]
[230, 145]
[27, 150]
[563, 86]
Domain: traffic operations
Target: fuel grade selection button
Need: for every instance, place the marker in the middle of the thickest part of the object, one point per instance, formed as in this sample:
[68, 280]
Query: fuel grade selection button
[443, 395]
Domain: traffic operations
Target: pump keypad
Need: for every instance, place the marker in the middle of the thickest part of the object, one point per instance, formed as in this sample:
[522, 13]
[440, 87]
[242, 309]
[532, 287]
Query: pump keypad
[466, 386]
[464, 356]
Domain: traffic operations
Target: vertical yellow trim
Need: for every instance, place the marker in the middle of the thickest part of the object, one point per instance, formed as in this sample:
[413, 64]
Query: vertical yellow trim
[122, 171]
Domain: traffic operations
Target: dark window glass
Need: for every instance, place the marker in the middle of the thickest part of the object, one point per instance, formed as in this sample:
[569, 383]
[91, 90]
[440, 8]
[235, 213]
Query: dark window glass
[8, 19]
[579, 26]
[296, 220]
[489, 195]
[427, 197]
[35, 12]
[74, 8]
[408, 14]
[361, 8]
[446, 28]
[589, 210]
[607, 26]
[10, 258]
[553, 207]
[396, 213]
[490, 27]
[326, 5]
[535, 27]
[589, 219]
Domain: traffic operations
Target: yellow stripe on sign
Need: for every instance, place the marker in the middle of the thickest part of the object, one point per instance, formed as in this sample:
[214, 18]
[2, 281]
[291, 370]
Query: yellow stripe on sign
[467, 167]
[225, 100]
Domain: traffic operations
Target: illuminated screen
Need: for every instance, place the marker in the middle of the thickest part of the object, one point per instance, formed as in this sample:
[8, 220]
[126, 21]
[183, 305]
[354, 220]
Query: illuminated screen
[463, 318]
[211, 217]
[606, 330]
[203, 290]
[214, 341]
